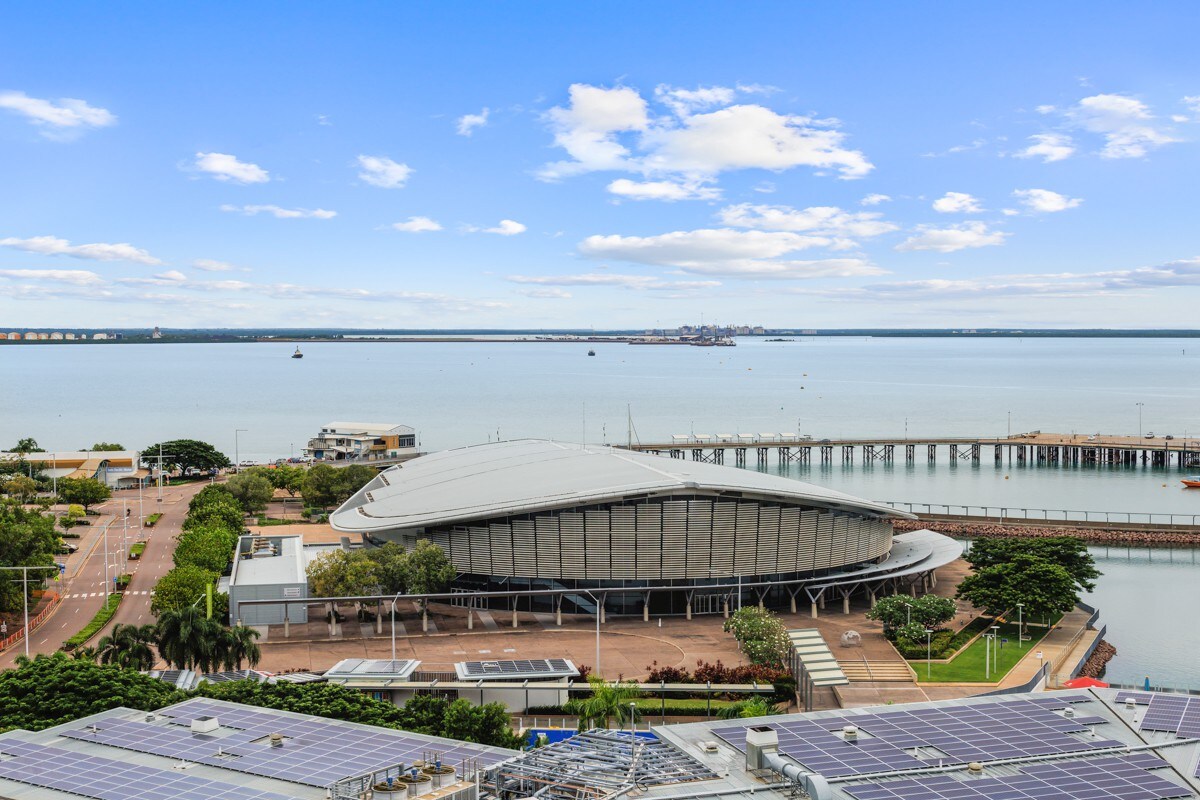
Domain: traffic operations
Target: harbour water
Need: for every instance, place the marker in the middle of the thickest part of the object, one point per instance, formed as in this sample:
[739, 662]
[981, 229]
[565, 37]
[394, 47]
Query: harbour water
[68, 396]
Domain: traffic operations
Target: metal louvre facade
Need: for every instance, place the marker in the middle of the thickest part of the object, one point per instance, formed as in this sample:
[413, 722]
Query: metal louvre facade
[665, 540]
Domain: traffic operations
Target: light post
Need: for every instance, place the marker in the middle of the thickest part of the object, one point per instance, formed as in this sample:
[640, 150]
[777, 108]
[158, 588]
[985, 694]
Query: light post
[1010, 425]
[237, 462]
[987, 654]
[25, 593]
[928, 652]
[632, 724]
[1139, 406]
[107, 583]
[394, 599]
[1020, 624]
[597, 601]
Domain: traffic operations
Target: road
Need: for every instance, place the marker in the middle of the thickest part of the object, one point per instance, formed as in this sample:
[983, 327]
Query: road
[83, 586]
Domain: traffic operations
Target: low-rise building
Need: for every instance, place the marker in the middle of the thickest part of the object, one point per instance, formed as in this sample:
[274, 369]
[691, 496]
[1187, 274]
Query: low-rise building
[70, 337]
[363, 441]
[117, 469]
[56, 336]
[268, 568]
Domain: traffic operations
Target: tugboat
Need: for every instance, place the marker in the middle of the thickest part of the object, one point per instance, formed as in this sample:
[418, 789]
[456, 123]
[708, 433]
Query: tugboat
[297, 354]
[591, 352]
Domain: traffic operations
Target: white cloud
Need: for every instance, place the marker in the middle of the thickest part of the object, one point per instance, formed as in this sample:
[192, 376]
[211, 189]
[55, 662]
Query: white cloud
[1046, 109]
[725, 252]
[668, 191]
[546, 294]
[588, 126]
[507, 227]
[56, 118]
[820, 220]
[467, 123]
[875, 199]
[1044, 201]
[957, 203]
[685, 101]
[950, 239]
[280, 213]
[1126, 124]
[416, 225]
[208, 265]
[1049, 147]
[99, 251]
[1192, 103]
[636, 282]
[225, 167]
[684, 143]
[383, 172]
[323, 119]
[74, 277]
[171, 275]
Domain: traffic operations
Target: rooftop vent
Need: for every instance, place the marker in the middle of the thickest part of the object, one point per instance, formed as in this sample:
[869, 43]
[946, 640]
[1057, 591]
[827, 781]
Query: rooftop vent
[709, 746]
[276, 740]
[1068, 712]
[975, 767]
[205, 725]
[850, 733]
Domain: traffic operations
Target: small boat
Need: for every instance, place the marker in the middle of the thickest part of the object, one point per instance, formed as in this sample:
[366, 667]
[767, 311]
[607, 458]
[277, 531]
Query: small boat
[591, 352]
[297, 354]
[1192, 481]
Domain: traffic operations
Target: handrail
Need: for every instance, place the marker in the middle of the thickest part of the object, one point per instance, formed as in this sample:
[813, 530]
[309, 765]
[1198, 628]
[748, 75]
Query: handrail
[13, 638]
[1003, 513]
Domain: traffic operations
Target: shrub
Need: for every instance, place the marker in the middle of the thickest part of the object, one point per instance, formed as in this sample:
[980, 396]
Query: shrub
[152, 520]
[92, 628]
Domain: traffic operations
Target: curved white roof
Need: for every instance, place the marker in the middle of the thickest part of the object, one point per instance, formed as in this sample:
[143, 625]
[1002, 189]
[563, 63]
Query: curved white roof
[528, 475]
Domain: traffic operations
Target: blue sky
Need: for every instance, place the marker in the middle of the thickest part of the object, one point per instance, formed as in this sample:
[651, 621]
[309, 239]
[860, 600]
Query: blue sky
[605, 164]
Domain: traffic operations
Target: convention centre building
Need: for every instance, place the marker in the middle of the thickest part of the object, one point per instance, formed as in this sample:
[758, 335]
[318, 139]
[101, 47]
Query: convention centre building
[639, 533]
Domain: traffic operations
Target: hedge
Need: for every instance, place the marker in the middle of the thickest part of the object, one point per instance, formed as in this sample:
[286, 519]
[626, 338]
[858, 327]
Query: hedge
[136, 549]
[153, 519]
[92, 628]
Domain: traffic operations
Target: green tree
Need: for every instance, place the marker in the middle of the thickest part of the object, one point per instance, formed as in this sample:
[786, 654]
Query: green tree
[390, 567]
[282, 476]
[1044, 588]
[427, 569]
[240, 645]
[185, 454]
[54, 689]
[225, 513]
[897, 611]
[106, 447]
[21, 487]
[252, 491]
[27, 538]
[1066, 551]
[608, 701]
[214, 493]
[188, 639]
[83, 491]
[182, 587]
[129, 646]
[747, 709]
[26, 446]
[485, 724]
[762, 636]
[342, 573]
[209, 547]
[325, 486]
[70, 519]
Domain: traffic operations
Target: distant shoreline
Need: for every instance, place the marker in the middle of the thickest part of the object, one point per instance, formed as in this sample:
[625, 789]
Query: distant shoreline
[300, 337]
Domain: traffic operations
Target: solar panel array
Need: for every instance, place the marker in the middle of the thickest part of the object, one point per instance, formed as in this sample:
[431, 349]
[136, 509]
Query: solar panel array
[486, 669]
[235, 675]
[982, 732]
[1173, 713]
[110, 779]
[1141, 698]
[1123, 778]
[316, 751]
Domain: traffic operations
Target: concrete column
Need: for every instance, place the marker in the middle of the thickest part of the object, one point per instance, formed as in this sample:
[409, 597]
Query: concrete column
[814, 610]
[286, 627]
[689, 608]
[558, 613]
[846, 603]
[725, 607]
[602, 619]
[822, 601]
[646, 612]
[424, 620]
[872, 595]
[514, 618]
[378, 620]
[794, 604]
[913, 587]
[470, 618]
[933, 579]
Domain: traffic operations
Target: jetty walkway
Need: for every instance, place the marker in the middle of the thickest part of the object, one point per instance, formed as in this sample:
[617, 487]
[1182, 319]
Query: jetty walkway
[1022, 448]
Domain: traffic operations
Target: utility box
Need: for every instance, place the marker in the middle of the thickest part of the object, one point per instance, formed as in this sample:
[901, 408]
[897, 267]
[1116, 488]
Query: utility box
[760, 741]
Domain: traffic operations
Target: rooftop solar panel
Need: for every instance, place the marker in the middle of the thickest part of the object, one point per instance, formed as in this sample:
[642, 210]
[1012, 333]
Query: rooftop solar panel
[111, 779]
[1098, 779]
[316, 751]
[982, 732]
[516, 668]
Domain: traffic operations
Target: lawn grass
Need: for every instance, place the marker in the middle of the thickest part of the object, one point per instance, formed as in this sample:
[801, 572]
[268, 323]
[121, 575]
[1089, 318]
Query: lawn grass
[968, 667]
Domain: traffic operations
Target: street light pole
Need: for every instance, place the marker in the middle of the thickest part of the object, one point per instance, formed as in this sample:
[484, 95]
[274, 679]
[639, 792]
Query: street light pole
[1139, 406]
[25, 592]
[1020, 624]
[1010, 424]
[928, 652]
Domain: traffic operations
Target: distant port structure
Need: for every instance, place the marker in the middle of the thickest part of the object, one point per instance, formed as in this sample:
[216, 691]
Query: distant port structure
[1022, 448]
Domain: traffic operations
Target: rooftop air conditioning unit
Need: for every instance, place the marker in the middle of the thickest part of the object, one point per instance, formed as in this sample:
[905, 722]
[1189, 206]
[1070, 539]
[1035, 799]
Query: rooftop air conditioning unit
[205, 725]
[709, 746]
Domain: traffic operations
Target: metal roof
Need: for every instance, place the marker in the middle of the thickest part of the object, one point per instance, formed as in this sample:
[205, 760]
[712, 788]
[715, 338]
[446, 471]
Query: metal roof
[287, 566]
[530, 475]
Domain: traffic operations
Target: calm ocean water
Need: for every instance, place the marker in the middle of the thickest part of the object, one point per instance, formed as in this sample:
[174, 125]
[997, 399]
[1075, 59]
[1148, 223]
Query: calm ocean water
[69, 396]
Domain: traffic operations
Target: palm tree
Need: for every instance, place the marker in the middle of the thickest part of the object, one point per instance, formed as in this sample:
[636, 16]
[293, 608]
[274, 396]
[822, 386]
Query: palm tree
[608, 700]
[187, 639]
[239, 646]
[128, 646]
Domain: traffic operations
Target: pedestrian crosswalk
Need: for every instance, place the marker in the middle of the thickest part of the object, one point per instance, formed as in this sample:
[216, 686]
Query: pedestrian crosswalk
[81, 595]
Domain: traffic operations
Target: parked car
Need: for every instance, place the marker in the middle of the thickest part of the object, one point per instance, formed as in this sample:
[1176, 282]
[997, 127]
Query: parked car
[1150, 435]
[1168, 437]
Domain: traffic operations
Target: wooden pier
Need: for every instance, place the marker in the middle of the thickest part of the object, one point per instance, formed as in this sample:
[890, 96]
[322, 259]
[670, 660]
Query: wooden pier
[1024, 448]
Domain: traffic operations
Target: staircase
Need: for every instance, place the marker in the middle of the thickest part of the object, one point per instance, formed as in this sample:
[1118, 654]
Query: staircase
[863, 671]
